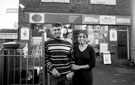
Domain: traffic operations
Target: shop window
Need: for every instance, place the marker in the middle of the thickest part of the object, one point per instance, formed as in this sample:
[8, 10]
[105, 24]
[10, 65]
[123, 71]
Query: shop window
[96, 34]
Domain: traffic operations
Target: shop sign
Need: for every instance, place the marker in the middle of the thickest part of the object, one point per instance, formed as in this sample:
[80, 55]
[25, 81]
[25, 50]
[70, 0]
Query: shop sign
[105, 2]
[123, 20]
[53, 18]
[107, 19]
[90, 19]
[75, 19]
[25, 33]
[59, 1]
[36, 18]
[8, 35]
[64, 18]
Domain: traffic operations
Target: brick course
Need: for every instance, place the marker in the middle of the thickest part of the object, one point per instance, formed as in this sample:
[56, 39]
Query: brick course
[78, 6]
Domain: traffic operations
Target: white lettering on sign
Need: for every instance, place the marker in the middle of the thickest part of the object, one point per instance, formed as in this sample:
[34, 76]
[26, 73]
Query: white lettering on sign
[8, 35]
[123, 20]
[91, 20]
[59, 1]
[105, 2]
[107, 19]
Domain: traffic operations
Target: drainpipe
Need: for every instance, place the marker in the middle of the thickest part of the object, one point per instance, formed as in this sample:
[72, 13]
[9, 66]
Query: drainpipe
[133, 31]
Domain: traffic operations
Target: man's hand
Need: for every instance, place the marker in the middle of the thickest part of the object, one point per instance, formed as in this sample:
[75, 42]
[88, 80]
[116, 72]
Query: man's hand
[75, 67]
[69, 76]
[55, 73]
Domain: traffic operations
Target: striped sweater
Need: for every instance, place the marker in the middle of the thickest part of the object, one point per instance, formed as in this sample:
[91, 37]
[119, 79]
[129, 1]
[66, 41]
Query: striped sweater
[59, 55]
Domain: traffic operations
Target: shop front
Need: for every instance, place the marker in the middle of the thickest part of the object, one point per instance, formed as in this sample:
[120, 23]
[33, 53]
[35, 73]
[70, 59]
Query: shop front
[108, 34]
[8, 35]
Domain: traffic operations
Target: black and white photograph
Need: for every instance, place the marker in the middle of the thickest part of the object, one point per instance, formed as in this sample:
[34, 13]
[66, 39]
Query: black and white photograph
[67, 42]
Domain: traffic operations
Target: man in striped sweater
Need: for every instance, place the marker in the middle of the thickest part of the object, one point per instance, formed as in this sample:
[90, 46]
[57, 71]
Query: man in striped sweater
[59, 58]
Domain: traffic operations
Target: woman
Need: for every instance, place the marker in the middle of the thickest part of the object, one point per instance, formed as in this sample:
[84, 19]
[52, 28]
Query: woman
[84, 61]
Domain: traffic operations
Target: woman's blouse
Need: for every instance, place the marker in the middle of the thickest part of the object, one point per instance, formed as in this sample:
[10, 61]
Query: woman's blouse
[85, 57]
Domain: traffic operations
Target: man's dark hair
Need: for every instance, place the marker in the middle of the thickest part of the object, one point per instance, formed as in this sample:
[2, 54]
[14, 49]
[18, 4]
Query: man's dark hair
[57, 25]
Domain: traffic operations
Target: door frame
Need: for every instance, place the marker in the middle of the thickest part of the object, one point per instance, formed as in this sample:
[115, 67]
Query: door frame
[127, 41]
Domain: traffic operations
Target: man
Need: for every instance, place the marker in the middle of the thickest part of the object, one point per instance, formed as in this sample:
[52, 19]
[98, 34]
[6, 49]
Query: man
[59, 58]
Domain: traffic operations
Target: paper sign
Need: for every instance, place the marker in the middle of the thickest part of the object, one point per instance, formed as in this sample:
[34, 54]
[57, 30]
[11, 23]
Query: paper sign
[107, 58]
[25, 33]
[113, 35]
[25, 50]
[103, 47]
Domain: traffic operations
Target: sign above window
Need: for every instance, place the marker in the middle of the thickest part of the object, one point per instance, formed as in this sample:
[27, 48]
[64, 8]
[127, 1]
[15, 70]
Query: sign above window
[105, 2]
[68, 18]
[57, 1]
[104, 19]
[8, 35]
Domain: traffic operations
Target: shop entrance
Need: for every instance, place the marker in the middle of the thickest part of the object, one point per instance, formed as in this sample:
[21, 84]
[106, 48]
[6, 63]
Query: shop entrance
[122, 44]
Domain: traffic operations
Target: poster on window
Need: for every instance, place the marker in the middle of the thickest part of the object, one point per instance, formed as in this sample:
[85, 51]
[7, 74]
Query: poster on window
[113, 35]
[25, 33]
[103, 47]
[36, 43]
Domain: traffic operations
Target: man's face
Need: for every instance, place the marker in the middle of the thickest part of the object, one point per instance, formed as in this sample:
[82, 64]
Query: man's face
[57, 32]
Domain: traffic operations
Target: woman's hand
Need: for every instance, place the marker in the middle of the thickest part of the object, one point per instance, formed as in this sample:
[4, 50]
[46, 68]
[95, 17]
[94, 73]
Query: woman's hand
[78, 67]
[75, 67]
[69, 76]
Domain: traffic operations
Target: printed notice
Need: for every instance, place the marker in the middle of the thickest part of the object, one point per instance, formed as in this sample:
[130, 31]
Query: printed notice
[25, 33]
[113, 35]
[107, 58]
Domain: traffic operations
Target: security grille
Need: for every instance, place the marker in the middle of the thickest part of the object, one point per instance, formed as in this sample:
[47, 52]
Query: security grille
[19, 69]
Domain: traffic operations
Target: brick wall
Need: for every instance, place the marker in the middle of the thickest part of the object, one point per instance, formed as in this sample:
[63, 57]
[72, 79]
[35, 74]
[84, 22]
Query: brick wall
[78, 6]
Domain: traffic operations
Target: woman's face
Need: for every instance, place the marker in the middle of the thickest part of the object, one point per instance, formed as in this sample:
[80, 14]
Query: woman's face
[82, 38]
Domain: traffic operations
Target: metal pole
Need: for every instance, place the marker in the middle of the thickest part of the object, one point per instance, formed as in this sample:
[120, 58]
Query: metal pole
[43, 56]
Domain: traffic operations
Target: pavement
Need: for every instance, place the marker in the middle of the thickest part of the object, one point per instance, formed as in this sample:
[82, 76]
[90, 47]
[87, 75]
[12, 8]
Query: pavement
[113, 74]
